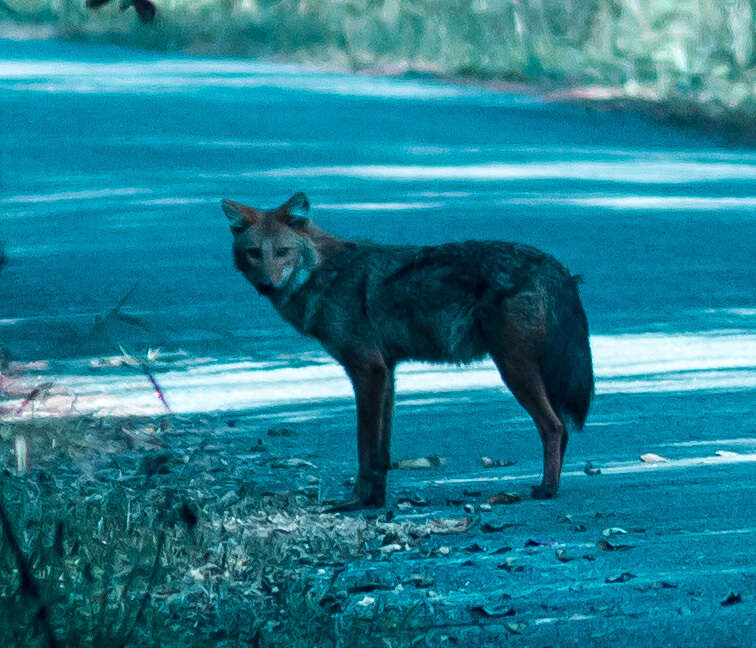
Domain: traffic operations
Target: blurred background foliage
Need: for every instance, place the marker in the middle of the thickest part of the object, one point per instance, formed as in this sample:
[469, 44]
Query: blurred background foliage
[697, 51]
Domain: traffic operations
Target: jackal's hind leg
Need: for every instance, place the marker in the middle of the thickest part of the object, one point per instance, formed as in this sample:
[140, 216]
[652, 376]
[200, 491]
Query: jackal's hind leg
[523, 377]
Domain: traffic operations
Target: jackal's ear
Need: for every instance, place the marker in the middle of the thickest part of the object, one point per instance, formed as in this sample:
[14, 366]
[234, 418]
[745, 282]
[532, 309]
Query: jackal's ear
[295, 210]
[240, 217]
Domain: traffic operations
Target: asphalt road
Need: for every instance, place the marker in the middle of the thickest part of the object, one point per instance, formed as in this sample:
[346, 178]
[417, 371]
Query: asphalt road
[112, 165]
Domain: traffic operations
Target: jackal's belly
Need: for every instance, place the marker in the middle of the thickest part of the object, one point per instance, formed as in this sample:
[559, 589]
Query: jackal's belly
[444, 336]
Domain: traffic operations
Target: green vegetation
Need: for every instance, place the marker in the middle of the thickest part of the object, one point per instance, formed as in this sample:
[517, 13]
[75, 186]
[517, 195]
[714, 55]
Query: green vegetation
[685, 53]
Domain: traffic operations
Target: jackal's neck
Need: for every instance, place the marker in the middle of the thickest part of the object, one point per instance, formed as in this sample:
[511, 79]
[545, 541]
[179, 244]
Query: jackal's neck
[325, 244]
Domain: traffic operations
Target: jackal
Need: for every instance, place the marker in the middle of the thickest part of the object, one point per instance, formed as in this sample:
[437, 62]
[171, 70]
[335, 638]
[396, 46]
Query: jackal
[372, 306]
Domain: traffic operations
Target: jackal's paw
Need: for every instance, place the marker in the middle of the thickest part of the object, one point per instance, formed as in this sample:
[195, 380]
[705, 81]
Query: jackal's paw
[543, 492]
[354, 503]
[368, 493]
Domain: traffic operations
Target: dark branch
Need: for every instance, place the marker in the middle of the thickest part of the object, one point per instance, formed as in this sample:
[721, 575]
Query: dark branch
[29, 586]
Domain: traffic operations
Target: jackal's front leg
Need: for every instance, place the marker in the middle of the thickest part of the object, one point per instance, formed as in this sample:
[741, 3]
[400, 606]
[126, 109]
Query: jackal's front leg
[373, 382]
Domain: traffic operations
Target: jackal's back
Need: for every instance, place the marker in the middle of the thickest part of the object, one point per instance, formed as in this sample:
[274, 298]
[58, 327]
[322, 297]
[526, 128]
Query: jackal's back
[428, 303]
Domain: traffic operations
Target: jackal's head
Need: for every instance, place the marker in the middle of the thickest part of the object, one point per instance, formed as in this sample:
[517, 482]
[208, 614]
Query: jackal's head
[273, 248]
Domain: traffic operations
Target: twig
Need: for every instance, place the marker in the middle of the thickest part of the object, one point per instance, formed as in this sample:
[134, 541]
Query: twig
[155, 386]
[28, 586]
[101, 322]
[145, 367]
[33, 394]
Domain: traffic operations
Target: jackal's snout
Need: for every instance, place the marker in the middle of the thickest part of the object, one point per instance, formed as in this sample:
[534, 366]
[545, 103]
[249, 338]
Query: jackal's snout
[273, 247]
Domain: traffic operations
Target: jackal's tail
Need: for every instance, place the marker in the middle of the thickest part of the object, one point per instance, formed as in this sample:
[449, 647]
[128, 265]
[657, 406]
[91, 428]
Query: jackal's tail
[566, 364]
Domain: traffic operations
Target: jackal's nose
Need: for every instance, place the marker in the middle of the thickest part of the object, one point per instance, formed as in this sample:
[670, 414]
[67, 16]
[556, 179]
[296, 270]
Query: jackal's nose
[265, 288]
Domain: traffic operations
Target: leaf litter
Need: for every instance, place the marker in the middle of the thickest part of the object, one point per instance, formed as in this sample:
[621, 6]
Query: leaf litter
[173, 543]
[255, 543]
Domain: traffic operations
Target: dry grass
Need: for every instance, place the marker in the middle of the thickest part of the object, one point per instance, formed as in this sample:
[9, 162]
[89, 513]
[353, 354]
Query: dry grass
[145, 533]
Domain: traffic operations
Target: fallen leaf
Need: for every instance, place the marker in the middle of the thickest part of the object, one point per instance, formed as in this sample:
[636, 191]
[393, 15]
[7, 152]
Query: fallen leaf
[418, 581]
[368, 587]
[501, 550]
[732, 599]
[445, 526]
[490, 611]
[622, 578]
[591, 470]
[294, 462]
[109, 362]
[421, 462]
[538, 543]
[651, 457]
[196, 574]
[656, 585]
[474, 548]
[412, 502]
[608, 546]
[488, 462]
[228, 499]
[504, 498]
[282, 523]
[281, 432]
[431, 461]
[516, 627]
[493, 527]
[562, 556]
[367, 601]
[510, 565]
[391, 548]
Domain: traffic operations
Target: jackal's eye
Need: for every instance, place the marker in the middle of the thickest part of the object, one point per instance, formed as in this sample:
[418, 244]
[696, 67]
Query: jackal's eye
[282, 251]
[254, 253]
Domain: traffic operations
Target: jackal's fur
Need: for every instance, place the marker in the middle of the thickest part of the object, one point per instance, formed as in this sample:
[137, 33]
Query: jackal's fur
[372, 306]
